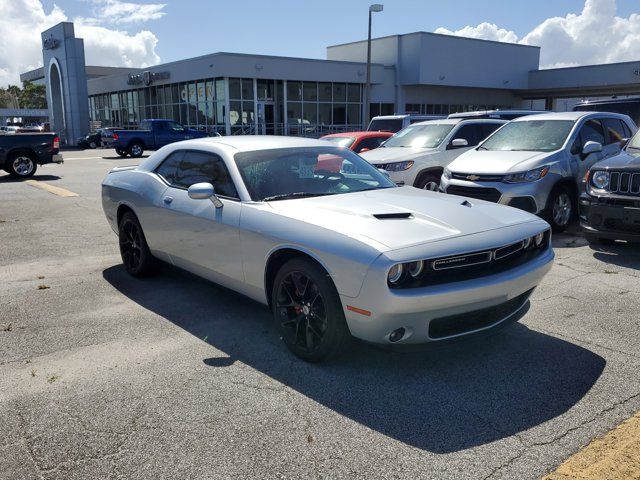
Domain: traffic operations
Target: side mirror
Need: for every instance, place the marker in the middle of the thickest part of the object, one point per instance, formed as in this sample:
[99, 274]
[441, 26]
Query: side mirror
[458, 143]
[591, 147]
[203, 191]
[365, 149]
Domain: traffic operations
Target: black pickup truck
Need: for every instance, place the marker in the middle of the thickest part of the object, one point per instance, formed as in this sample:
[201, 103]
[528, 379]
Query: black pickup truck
[21, 153]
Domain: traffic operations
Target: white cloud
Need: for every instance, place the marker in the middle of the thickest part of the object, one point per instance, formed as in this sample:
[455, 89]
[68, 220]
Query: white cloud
[596, 35]
[22, 21]
[115, 11]
[484, 31]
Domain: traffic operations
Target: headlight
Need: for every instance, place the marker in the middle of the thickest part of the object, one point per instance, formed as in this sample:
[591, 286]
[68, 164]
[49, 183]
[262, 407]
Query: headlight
[538, 239]
[447, 173]
[530, 176]
[416, 268]
[600, 179]
[395, 273]
[399, 166]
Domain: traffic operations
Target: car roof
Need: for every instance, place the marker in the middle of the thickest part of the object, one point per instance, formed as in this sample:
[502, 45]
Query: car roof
[609, 101]
[480, 113]
[455, 121]
[573, 116]
[245, 143]
[363, 134]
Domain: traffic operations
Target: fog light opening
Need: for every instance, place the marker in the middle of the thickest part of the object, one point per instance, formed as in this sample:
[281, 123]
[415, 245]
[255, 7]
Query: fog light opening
[397, 335]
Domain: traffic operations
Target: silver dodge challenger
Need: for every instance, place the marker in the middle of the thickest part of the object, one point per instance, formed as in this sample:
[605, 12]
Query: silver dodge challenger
[332, 246]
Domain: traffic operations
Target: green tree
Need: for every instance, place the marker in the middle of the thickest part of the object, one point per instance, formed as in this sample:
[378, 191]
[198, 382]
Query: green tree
[32, 96]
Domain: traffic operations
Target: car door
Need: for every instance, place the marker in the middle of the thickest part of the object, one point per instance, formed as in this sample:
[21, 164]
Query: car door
[198, 236]
[590, 131]
[471, 132]
[169, 132]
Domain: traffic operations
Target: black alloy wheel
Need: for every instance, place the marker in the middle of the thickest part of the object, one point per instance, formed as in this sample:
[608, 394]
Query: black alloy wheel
[308, 311]
[136, 257]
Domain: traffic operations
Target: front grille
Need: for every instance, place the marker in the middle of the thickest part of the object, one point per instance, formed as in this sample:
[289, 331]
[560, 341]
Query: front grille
[471, 177]
[472, 265]
[488, 194]
[625, 183]
[471, 321]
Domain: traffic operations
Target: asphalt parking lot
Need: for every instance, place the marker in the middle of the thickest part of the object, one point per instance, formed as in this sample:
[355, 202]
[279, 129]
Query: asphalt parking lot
[106, 376]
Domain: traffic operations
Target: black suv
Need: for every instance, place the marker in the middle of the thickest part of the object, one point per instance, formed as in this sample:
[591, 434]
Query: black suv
[610, 201]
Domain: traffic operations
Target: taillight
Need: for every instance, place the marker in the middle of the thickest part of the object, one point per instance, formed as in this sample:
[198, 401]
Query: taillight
[115, 136]
[56, 143]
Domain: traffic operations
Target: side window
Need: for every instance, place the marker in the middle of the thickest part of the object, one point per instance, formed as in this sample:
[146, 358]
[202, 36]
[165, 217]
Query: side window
[369, 143]
[489, 128]
[169, 167]
[615, 130]
[627, 131]
[592, 131]
[173, 126]
[471, 133]
[197, 167]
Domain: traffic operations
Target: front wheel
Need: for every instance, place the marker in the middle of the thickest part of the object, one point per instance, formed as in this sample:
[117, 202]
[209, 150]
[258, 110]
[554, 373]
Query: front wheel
[560, 208]
[308, 312]
[136, 257]
[136, 149]
[93, 145]
[22, 165]
[430, 182]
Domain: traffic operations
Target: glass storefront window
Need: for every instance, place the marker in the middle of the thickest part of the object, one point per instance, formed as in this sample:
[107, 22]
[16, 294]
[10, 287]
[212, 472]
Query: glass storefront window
[353, 93]
[310, 91]
[235, 112]
[192, 93]
[353, 114]
[339, 114]
[339, 92]
[220, 89]
[324, 92]
[310, 113]
[200, 91]
[235, 92]
[293, 91]
[247, 89]
[324, 113]
[265, 89]
[294, 113]
[247, 112]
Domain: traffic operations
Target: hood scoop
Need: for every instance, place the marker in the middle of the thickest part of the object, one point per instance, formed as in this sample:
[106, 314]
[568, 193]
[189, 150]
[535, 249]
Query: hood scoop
[393, 216]
[467, 203]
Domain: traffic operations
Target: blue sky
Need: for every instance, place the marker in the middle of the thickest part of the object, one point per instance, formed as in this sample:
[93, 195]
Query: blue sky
[305, 28]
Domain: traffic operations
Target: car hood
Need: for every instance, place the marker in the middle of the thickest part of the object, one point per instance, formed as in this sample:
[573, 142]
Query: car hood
[428, 216]
[498, 162]
[395, 154]
[622, 161]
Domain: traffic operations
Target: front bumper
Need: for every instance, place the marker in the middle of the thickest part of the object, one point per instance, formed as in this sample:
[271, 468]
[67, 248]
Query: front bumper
[531, 197]
[614, 218]
[502, 295]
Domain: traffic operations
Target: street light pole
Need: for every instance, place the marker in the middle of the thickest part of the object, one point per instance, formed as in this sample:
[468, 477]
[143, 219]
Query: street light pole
[376, 7]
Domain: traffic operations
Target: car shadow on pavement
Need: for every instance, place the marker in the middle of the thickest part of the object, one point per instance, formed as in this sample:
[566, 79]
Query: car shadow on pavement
[620, 254]
[443, 399]
[42, 178]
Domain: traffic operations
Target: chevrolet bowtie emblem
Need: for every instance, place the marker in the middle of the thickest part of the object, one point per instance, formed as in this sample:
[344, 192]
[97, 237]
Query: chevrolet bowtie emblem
[473, 178]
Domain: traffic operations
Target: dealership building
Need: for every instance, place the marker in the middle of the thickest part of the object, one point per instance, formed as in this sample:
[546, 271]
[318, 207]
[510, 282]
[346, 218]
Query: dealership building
[232, 93]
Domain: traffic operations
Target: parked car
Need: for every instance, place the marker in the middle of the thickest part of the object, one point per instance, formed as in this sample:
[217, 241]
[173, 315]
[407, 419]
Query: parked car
[395, 123]
[610, 201]
[497, 114]
[358, 142]
[625, 106]
[20, 154]
[91, 140]
[418, 154]
[9, 129]
[536, 163]
[333, 255]
[152, 135]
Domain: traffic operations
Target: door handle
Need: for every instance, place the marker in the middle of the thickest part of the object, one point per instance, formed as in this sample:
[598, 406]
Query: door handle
[167, 199]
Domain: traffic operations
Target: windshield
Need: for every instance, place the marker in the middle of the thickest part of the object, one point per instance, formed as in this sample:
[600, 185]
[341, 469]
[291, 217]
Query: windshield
[420, 136]
[307, 171]
[530, 135]
[340, 141]
[385, 125]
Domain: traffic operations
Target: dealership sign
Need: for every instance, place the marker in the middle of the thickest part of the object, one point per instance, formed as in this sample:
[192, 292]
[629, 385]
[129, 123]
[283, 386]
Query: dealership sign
[146, 78]
[50, 43]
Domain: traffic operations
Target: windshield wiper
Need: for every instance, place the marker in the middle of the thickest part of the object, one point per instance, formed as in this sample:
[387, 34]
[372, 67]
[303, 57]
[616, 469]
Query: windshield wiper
[285, 196]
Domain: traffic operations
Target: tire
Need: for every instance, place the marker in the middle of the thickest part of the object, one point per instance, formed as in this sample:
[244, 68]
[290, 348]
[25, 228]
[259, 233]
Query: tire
[121, 152]
[561, 208]
[317, 310]
[93, 145]
[136, 149]
[136, 257]
[22, 165]
[428, 181]
[595, 240]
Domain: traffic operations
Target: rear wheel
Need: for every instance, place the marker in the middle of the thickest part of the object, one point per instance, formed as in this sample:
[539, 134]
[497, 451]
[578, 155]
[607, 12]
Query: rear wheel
[22, 165]
[429, 181]
[308, 312]
[560, 208]
[136, 257]
[136, 149]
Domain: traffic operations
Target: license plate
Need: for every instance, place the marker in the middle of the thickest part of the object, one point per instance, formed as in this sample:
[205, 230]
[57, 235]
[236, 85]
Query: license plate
[631, 216]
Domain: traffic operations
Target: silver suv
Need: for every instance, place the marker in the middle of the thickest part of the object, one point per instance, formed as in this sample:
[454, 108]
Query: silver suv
[537, 162]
